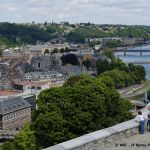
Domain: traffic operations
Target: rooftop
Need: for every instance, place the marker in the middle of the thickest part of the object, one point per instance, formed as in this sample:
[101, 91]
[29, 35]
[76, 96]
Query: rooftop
[8, 92]
[13, 104]
[24, 83]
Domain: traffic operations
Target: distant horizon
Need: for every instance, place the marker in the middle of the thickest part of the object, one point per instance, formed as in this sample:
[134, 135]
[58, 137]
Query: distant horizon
[124, 12]
[72, 23]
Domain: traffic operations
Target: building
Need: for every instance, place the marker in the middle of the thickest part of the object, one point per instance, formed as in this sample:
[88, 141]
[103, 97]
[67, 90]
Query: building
[73, 70]
[128, 41]
[34, 49]
[31, 87]
[46, 62]
[14, 113]
[3, 70]
[10, 53]
[54, 78]
[139, 41]
[40, 49]
[105, 41]
[31, 99]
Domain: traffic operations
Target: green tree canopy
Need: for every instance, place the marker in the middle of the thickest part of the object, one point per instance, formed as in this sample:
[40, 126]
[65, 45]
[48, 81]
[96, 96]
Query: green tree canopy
[25, 140]
[76, 109]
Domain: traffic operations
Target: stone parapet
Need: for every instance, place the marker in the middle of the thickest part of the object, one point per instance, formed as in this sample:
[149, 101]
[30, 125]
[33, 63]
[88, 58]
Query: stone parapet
[97, 140]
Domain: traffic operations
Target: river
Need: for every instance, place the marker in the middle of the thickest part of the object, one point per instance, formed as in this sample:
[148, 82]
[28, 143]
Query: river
[135, 57]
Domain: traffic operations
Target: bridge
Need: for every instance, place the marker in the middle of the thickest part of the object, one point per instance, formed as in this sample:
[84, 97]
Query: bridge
[125, 51]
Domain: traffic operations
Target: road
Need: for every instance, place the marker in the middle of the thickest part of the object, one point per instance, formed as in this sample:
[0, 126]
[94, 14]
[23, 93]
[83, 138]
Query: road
[135, 90]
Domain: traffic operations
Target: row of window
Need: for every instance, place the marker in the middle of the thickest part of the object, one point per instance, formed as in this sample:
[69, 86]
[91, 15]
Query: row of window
[33, 87]
[16, 114]
[20, 119]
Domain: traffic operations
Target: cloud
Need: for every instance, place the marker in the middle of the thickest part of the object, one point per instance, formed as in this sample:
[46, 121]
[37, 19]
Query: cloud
[97, 11]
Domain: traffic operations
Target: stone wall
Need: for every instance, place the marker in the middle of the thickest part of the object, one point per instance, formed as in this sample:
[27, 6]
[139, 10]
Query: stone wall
[97, 140]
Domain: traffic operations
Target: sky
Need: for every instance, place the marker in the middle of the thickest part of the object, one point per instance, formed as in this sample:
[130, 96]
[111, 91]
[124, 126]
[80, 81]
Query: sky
[131, 12]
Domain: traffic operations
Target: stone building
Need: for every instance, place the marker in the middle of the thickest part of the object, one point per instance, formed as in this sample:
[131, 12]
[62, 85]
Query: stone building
[14, 113]
[46, 62]
[3, 70]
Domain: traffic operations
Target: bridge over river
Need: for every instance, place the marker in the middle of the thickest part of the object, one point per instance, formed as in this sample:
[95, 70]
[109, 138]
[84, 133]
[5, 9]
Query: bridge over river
[126, 50]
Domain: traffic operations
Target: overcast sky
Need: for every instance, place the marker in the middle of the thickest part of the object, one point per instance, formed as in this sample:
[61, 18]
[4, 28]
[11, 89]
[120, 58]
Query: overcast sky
[95, 11]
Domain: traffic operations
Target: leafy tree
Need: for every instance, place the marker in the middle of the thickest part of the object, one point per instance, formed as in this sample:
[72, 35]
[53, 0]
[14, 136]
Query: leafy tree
[76, 109]
[67, 49]
[93, 43]
[55, 50]
[127, 74]
[62, 50]
[120, 78]
[73, 80]
[46, 51]
[148, 94]
[87, 63]
[25, 140]
[70, 59]
[102, 66]
[8, 146]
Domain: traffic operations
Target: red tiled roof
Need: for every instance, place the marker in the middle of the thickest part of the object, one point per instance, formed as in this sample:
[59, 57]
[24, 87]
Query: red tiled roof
[8, 92]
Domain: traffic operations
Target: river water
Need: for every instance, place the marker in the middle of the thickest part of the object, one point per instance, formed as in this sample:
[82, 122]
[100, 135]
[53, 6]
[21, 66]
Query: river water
[135, 57]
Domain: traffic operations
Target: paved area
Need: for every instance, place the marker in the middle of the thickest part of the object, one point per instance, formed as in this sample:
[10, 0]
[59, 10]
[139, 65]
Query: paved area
[137, 142]
[134, 91]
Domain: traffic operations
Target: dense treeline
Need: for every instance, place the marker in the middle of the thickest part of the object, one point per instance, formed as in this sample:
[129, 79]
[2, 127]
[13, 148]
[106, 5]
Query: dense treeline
[19, 33]
[83, 105]
[122, 74]
[82, 33]
[23, 33]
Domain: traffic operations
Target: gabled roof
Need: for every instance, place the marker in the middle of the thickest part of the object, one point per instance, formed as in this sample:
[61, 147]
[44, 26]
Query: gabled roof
[12, 104]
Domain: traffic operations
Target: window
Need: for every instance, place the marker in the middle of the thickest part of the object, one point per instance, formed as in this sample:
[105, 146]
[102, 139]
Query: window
[39, 65]
[38, 88]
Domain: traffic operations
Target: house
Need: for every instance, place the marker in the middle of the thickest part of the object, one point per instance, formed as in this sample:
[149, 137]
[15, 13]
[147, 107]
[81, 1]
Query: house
[73, 70]
[34, 49]
[3, 70]
[139, 41]
[128, 41]
[14, 113]
[45, 62]
[54, 78]
[31, 87]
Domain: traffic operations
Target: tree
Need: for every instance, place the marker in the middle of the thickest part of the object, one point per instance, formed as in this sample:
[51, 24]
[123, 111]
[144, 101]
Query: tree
[62, 50]
[93, 43]
[25, 140]
[76, 109]
[102, 66]
[46, 51]
[73, 80]
[55, 50]
[148, 94]
[70, 59]
[67, 49]
[87, 63]
[8, 146]
[120, 78]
